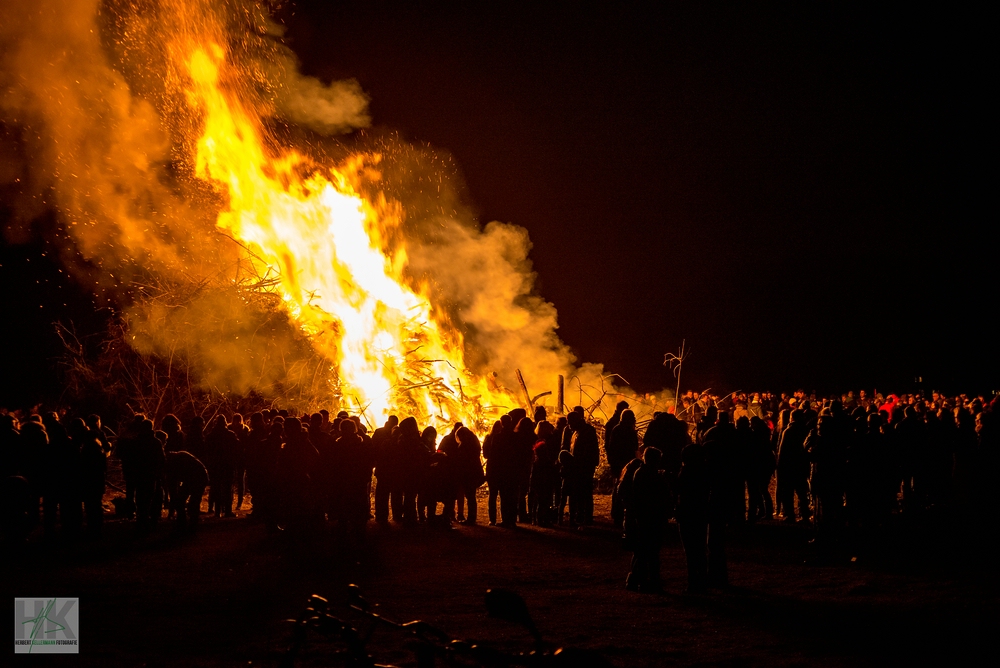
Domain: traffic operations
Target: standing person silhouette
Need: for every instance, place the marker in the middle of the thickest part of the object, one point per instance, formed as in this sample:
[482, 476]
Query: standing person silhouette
[586, 457]
[645, 521]
[491, 452]
[469, 471]
[621, 445]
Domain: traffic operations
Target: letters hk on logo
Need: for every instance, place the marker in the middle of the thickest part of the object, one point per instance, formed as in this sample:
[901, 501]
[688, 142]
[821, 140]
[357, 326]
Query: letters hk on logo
[46, 625]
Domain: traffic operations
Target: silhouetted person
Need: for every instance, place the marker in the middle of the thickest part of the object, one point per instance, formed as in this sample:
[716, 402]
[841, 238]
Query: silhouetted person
[793, 468]
[264, 475]
[469, 471]
[171, 426]
[722, 448]
[784, 419]
[173, 441]
[252, 449]
[706, 422]
[871, 464]
[93, 465]
[586, 457]
[386, 471]
[430, 438]
[645, 520]
[972, 454]
[194, 437]
[621, 445]
[910, 441]
[438, 487]
[624, 485]
[809, 413]
[502, 466]
[221, 445]
[298, 461]
[565, 433]
[744, 451]
[760, 470]
[35, 452]
[148, 471]
[540, 415]
[544, 475]
[185, 478]
[610, 425]
[61, 488]
[560, 425]
[357, 462]
[938, 464]
[10, 447]
[987, 457]
[854, 490]
[424, 501]
[670, 436]
[413, 462]
[450, 474]
[382, 434]
[491, 452]
[100, 432]
[330, 493]
[828, 455]
[726, 502]
[241, 431]
[569, 489]
[524, 443]
[694, 490]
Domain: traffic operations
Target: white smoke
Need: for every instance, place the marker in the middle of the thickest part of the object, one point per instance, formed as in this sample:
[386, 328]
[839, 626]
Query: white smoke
[330, 109]
[334, 108]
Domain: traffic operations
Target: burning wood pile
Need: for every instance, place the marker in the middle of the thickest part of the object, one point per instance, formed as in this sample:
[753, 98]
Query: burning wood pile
[245, 251]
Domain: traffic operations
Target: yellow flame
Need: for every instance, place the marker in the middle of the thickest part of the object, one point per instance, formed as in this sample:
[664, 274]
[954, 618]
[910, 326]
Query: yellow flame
[307, 224]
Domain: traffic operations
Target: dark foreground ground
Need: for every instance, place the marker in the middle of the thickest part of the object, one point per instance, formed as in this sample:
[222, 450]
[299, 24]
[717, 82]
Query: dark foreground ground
[219, 598]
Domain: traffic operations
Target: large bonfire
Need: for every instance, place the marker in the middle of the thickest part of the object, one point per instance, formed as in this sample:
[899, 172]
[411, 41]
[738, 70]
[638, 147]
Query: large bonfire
[193, 168]
[307, 225]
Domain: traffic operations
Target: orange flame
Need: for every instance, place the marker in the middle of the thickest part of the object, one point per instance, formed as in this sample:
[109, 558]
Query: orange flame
[307, 225]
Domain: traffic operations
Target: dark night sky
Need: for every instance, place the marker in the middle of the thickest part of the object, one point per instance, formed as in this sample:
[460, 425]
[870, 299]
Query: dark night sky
[796, 189]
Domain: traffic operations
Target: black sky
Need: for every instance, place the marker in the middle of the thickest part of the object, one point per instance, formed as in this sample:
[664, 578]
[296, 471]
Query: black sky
[799, 190]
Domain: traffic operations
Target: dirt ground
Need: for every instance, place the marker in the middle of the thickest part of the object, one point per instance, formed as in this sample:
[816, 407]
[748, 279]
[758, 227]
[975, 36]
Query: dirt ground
[219, 598]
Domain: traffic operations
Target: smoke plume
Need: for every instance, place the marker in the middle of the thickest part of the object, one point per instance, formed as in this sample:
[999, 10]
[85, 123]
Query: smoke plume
[97, 128]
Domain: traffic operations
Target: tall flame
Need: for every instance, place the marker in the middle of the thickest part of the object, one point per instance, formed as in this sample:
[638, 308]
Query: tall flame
[308, 225]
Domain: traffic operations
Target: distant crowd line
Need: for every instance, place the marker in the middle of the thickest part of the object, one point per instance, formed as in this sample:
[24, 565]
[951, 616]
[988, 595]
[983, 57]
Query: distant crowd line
[845, 463]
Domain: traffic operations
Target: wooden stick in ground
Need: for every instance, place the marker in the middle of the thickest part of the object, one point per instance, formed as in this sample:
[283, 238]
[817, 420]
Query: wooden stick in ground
[524, 388]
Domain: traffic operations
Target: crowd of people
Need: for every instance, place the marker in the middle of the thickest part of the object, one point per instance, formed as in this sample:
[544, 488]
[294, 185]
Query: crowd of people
[298, 471]
[843, 464]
